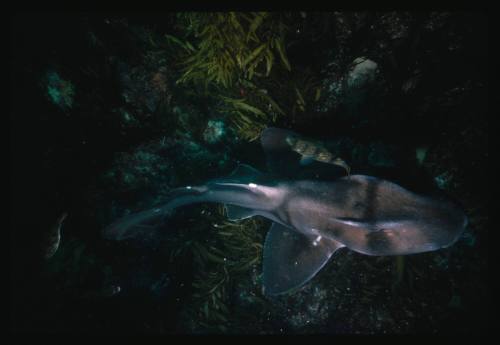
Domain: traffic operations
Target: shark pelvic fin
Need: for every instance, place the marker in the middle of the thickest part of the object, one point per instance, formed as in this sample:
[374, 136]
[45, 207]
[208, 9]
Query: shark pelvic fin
[238, 213]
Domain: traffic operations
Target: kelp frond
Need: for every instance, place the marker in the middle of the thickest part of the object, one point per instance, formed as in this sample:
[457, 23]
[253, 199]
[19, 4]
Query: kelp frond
[222, 256]
[229, 52]
[233, 45]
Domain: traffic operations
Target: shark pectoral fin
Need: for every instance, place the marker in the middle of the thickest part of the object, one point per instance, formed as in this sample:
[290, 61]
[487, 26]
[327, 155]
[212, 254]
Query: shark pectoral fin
[237, 212]
[306, 160]
[291, 259]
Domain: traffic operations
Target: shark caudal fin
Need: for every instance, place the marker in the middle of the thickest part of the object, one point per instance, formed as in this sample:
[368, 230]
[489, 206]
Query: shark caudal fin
[291, 259]
[134, 225]
[143, 224]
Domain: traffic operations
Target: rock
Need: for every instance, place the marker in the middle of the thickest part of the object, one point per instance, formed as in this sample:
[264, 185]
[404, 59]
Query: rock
[144, 89]
[60, 92]
[139, 87]
[349, 88]
[308, 308]
[443, 180]
[455, 302]
[160, 287]
[381, 155]
[363, 72]
[214, 131]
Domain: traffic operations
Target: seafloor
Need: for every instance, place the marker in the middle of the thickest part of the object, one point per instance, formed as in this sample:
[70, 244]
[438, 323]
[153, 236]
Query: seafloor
[102, 125]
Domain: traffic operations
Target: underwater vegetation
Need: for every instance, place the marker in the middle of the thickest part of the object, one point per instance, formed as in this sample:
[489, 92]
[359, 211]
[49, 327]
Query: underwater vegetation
[214, 131]
[243, 56]
[233, 46]
[221, 262]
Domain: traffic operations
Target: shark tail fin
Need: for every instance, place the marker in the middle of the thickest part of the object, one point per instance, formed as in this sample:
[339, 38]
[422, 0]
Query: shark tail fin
[142, 224]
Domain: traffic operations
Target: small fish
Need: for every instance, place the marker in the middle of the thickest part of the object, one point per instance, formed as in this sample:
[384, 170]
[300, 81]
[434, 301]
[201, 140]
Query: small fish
[53, 237]
[313, 151]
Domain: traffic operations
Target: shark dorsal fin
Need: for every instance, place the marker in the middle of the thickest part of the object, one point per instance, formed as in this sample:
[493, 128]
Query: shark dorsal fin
[281, 160]
[244, 170]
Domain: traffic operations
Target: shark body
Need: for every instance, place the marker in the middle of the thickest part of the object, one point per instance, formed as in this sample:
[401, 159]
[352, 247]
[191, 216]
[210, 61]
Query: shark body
[312, 219]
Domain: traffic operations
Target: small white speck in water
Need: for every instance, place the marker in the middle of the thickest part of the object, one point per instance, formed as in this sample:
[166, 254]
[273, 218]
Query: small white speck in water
[188, 187]
[252, 185]
[157, 210]
[316, 241]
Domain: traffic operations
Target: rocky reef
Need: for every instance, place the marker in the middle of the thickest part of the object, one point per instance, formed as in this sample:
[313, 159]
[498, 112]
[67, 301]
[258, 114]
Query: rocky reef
[117, 110]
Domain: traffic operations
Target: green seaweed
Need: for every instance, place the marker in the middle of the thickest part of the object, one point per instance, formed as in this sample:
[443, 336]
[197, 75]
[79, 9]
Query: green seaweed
[223, 256]
[229, 53]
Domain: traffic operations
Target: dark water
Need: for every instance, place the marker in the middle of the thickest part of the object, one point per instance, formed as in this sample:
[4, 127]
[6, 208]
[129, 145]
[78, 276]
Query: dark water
[99, 128]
